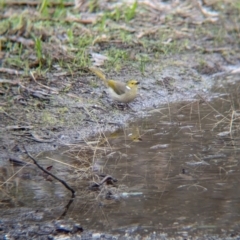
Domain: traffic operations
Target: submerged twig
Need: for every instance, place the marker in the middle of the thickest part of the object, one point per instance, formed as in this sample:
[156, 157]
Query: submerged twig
[52, 175]
[108, 179]
[214, 109]
[17, 162]
[66, 208]
[231, 122]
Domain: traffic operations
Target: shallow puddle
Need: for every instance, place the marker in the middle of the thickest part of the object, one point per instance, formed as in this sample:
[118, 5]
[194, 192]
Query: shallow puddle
[177, 170]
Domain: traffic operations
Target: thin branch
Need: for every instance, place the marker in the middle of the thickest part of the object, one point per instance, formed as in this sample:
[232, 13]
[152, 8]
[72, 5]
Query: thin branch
[37, 3]
[24, 41]
[49, 88]
[2, 81]
[11, 71]
[52, 175]
[66, 209]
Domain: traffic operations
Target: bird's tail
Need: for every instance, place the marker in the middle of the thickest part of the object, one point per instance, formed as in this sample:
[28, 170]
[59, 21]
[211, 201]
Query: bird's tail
[99, 73]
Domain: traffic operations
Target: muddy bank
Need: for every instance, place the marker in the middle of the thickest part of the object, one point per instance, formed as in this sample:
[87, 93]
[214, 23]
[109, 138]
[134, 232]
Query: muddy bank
[47, 122]
[62, 230]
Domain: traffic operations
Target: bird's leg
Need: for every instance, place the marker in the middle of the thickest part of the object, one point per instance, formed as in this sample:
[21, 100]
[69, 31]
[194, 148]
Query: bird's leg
[122, 106]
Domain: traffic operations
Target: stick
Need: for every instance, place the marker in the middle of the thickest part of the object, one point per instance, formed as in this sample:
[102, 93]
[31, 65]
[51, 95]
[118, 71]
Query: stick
[35, 4]
[52, 175]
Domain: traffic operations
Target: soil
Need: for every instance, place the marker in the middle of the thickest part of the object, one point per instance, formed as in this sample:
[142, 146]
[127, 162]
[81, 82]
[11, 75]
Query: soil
[53, 100]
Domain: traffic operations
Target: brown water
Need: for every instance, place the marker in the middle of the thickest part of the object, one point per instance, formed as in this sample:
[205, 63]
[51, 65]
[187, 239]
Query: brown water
[181, 177]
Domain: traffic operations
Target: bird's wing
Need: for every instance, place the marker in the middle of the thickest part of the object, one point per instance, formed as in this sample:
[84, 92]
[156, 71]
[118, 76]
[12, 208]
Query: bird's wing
[118, 87]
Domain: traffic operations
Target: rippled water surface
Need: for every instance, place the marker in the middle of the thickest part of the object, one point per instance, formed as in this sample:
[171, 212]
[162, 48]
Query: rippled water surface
[177, 171]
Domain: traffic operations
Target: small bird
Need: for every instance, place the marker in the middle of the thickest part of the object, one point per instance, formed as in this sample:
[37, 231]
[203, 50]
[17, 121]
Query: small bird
[118, 91]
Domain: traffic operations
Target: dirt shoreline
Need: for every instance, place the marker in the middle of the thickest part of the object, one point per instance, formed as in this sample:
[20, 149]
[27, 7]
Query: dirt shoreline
[166, 87]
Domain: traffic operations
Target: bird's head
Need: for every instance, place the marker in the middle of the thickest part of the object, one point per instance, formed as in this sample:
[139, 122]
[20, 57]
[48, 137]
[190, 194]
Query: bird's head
[132, 84]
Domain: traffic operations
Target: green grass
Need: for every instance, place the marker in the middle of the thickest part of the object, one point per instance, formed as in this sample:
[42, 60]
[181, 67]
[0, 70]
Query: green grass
[84, 41]
[70, 36]
[126, 37]
[43, 8]
[143, 61]
[130, 12]
[117, 58]
[60, 12]
[118, 14]
[38, 48]
[93, 6]
[120, 42]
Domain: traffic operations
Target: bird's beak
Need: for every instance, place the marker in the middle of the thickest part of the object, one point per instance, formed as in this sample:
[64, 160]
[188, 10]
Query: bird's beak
[137, 83]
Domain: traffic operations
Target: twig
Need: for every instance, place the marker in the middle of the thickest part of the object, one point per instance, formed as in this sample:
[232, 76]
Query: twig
[17, 162]
[37, 3]
[12, 176]
[9, 81]
[66, 208]
[23, 41]
[34, 79]
[79, 20]
[47, 172]
[9, 116]
[108, 179]
[11, 71]
[231, 122]
[214, 109]
[17, 127]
